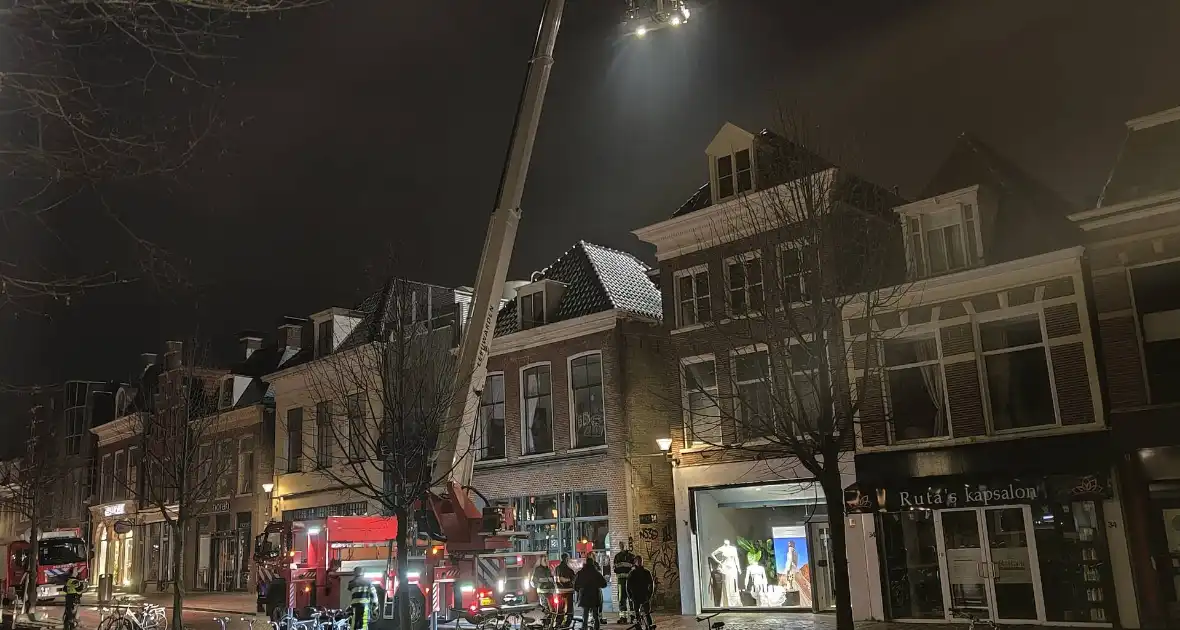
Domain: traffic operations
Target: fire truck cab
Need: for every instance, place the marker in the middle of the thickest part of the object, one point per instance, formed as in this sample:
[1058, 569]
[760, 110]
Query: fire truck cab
[58, 553]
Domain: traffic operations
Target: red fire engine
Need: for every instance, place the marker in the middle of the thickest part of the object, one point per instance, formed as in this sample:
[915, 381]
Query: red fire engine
[58, 553]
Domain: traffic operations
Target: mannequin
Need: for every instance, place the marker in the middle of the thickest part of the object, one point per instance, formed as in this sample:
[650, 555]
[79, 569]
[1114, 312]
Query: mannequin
[727, 560]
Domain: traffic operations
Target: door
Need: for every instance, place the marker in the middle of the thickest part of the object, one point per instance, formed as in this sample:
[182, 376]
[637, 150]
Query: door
[823, 584]
[990, 564]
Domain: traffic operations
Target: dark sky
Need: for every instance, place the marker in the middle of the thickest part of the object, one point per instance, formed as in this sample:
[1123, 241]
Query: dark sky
[371, 125]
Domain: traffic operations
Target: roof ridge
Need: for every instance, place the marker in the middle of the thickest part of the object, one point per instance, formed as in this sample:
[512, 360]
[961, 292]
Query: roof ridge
[610, 298]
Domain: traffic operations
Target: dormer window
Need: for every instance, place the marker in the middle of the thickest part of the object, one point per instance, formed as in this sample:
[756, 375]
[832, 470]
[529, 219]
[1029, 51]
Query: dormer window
[532, 310]
[735, 174]
[323, 338]
[943, 241]
[227, 393]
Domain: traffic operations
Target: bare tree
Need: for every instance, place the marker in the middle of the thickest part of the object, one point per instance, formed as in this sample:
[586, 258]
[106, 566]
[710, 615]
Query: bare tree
[185, 465]
[25, 481]
[95, 94]
[789, 378]
[383, 404]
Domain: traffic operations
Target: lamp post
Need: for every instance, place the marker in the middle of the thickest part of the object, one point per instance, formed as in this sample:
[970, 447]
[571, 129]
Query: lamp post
[268, 488]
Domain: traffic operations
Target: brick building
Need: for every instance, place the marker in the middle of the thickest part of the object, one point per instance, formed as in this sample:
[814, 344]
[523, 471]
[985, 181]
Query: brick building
[736, 261]
[1132, 237]
[572, 408]
[984, 450]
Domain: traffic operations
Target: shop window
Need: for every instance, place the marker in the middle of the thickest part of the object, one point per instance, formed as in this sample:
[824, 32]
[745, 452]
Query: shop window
[586, 393]
[590, 504]
[755, 545]
[1075, 569]
[538, 508]
[702, 422]
[1017, 368]
[491, 418]
[744, 283]
[537, 394]
[755, 412]
[916, 391]
[910, 560]
[1157, 301]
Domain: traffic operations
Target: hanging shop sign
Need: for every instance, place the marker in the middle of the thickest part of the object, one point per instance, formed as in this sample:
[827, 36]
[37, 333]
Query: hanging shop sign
[952, 492]
[123, 526]
[115, 509]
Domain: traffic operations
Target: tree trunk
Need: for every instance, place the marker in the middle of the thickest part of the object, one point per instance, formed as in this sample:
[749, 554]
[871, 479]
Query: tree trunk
[30, 603]
[834, 497]
[178, 574]
[403, 562]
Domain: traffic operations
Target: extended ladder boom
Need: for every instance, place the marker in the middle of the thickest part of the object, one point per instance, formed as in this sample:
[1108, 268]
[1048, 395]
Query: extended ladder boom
[454, 459]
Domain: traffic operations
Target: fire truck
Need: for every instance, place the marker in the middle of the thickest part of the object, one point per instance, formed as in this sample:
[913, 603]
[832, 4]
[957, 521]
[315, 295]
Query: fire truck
[475, 564]
[58, 552]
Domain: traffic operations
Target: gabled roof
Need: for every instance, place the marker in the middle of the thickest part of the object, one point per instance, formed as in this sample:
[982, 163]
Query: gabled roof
[777, 160]
[596, 279]
[1031, 219]
[379, 310]
[1149, 162]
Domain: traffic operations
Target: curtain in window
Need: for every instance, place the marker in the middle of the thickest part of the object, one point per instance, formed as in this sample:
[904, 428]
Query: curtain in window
[930, 378]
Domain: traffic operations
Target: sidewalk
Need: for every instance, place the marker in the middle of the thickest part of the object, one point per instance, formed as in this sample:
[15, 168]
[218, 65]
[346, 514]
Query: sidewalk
[210, 602]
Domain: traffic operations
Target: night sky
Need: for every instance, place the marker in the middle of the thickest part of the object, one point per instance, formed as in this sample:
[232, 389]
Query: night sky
[374, 126]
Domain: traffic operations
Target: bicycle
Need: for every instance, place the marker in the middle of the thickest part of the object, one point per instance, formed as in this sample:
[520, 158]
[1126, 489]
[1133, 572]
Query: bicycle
[973, 619]
[716, 625]
[145, 617]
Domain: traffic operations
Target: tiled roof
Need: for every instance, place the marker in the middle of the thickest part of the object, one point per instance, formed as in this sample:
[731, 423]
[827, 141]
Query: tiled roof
[596, 279]
[1148, 165]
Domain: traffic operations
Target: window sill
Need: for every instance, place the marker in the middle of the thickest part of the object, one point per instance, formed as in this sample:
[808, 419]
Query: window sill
[1012, 434]
[688, 328]
[536, 456]
[578, 450]
[737, 317]
[491, 461]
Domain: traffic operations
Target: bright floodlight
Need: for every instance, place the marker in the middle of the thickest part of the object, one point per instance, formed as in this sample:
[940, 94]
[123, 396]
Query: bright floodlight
[676, 20]
[641, 31]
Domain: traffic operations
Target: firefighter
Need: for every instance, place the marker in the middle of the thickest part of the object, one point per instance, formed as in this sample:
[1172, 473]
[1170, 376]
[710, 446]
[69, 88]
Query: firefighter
[624, 560]
[73, 590]
[364, 596]
[543, 581]
[563, 578]
[642, 586]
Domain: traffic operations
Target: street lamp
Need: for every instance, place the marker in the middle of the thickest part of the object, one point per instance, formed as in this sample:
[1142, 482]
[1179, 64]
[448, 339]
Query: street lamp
[665, 444]
[268, 487]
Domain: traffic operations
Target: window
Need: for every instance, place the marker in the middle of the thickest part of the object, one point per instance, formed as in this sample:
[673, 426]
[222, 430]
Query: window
[1017, 368]
[744, 275]
[120, 475]
[794, 274]
[205, 458]
[227, 393]
[133, 471]
[1157, 301]
[324, 339]
[532, 310]
[106, 479]
[356, 428]
[324, 435]
[76, 423]
[491, 418]
[916, 392]
[294, 439]
[703, 424]
[224, 474]
[752, 378]
[803, 382]
[692, 297]
[941, 242]
[589, 421]
[246, 465]
[734, 174]
[538, 410]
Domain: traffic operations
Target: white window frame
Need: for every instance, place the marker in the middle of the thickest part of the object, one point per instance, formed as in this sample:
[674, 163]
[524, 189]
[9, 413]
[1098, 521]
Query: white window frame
[524, 421]
[970, 238]
[1034, 310]
[569, 372]
[324, 437]
[245, 472]
[227, 387]
[225, 443]
[925, 333]
[747, 288]
[483, 438]
[686, 409]
[74, 437]
[520, 301]
[734, 172]
[801, 277]
[770, 379]
[106, 478]
[790, 371]
[120, 490]
[692, 272]
[356, 450]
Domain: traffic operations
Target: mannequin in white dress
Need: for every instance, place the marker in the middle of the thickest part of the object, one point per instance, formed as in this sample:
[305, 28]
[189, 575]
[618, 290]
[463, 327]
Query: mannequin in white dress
[726, 557]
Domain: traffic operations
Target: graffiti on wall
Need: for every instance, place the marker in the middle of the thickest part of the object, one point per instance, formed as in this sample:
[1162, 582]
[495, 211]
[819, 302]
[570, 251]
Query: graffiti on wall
[657, 547]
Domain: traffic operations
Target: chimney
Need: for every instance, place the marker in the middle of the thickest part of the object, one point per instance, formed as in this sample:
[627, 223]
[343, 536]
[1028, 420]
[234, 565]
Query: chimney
[146, 360]
[174, 355]
[248, 343]
[291, 332]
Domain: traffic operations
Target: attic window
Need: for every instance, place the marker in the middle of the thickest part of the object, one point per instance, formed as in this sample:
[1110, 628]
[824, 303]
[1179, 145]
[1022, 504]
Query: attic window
[734, 174]
[324, 339]
[532, 310]
[942, 242]
[227, 393]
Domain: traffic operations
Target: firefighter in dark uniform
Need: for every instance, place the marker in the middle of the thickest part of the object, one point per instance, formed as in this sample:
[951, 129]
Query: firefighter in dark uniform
[543, 581]
[563, 577]
[363, 598]
[623, 562]
[74, 587]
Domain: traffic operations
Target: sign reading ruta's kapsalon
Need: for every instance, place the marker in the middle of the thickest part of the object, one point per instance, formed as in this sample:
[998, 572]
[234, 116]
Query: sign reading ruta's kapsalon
[958, 492]
[967, 495]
